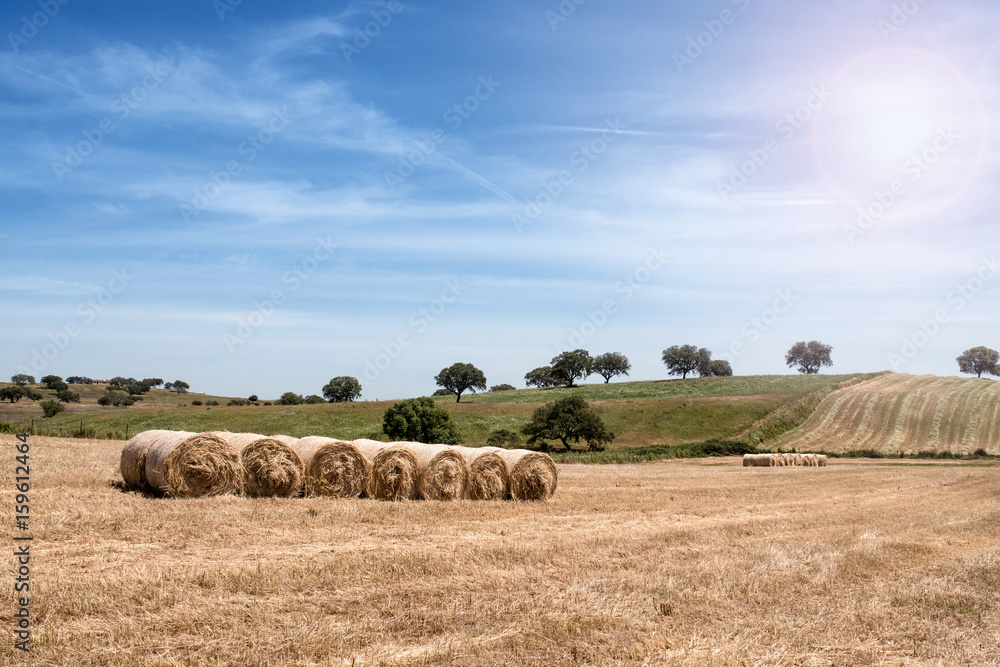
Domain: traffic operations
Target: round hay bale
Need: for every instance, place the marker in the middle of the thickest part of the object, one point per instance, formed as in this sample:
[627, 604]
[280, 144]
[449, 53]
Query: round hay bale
[185, 465]
[822, 460]
[333, 467]
[747, 460]
[395, 469]
[772, 460]
[443, 474]
[133, 461]
[489, 478]
[270, 466]
[533, 475]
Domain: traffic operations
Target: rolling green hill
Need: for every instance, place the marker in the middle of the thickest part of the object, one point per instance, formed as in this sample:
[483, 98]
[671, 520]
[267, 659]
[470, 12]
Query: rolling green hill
[666, 412]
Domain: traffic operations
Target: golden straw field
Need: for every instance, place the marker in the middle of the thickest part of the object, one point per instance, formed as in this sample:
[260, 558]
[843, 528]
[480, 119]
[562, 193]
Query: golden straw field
[683, 562]
[904, 413]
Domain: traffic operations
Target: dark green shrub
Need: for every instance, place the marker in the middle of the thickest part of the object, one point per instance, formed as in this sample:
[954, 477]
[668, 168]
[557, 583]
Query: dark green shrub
[420, 420]
[51, 408]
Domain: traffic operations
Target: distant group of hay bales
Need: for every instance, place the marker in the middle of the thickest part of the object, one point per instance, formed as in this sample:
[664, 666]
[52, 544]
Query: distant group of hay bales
[182, 465]
[777, 460]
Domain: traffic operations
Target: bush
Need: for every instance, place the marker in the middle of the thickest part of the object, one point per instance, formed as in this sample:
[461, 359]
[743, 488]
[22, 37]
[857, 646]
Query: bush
[238, 401]
[503, 387]
[291, 398]
[420, 420]
[252, 398]
[211, 402]
[195, 402]
[119, 399]
[979, 453]
[313, 399]
[51, 408]
[503, 438]
[441, 392]
[268, 403]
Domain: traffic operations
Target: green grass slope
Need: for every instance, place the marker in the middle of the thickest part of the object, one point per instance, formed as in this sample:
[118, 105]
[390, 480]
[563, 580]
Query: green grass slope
[640, 413]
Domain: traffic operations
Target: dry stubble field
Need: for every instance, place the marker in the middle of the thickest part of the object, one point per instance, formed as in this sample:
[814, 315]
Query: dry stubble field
[680, 563]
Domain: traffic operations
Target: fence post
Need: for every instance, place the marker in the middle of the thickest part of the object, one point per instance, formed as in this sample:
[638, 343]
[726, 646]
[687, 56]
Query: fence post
[126, 430]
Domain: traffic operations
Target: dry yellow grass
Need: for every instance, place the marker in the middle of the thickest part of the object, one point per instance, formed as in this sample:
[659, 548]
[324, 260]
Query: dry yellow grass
[667, 563]
[897, 412]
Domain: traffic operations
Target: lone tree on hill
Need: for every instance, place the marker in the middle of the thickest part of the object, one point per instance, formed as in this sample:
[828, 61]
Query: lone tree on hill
[979, 360]
[68, 396]
[540, 377]
[683, 359]
[568, 367]
[716, 368]
[567, 419]
[420, 420]
[341, 389]
[179, 386]
[13, 393]
[610, 364]
[291, 398]
[52, 382]
[460, 377]
[22, 379]
[809, 357]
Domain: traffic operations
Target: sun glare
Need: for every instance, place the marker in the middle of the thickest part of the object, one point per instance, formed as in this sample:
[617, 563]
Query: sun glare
[900, 121]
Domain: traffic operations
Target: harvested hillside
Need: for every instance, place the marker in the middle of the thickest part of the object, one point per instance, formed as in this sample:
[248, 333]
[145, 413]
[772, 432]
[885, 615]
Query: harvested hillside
[910, 414]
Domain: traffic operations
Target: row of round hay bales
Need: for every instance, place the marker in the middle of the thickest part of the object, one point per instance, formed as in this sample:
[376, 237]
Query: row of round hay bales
[183, 464]
[778, 460]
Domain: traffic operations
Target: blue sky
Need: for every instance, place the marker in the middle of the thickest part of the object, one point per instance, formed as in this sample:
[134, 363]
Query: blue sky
[256, 197]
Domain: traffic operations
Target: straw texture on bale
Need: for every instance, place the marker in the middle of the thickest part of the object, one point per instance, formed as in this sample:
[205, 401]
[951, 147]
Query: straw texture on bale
[489, 477]
[270, 466]
[395, 469]
[185, 465]
[333, 467]
[533, 475]
[757, 460]
[444, 473]
[133, 461]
